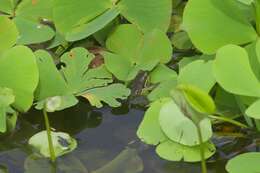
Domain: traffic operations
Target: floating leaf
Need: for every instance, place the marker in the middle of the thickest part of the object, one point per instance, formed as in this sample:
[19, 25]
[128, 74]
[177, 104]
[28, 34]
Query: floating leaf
[198, 73]
[19, 72]
[51, 82]
[165, 78]
[85, 30]
[173, 151]
[62, 143]
[179, 128]
[147, 14]
[207, 34]
[32, 32]
[57, 103]
[35, 10]
[234, 73]
[149, 130]
[80, 13]
[162, 73]
[247, 162]
[109, 95]
[140, 52]
[8, 33]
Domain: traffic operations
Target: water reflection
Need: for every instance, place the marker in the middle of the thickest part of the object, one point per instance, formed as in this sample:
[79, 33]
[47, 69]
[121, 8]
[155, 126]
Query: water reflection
[107, 143]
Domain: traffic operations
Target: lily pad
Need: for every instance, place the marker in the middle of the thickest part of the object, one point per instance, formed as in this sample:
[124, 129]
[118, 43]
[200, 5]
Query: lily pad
[207, 34]
[198, 73]
[63, 143]
[247, 162]
[150, 130]
[19, 72]
[179, 128]
[173, 151]
[140, 51]
[233, 71]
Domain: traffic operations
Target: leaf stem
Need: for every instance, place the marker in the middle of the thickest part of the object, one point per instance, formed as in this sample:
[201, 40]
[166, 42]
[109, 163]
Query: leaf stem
[48, 129]
[202, 155]
[231, 121]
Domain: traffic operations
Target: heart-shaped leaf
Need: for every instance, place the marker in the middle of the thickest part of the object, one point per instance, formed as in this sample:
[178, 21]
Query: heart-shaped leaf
[147, 14]
[179, 128]
[207, 34]
[32, 32]
[198, 73]
[63, 143]
[19, 72]
[233, 71]
[140, 52]
[173, 151]
[247, 162]
[51, 82]
[150, 130]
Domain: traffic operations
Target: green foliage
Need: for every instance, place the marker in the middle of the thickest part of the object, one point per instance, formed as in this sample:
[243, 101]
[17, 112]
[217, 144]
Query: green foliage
[247, 162]
[8, 33]
[62, 143]
[207, 34]
[6, 99]
[19, 72]
[140, 51]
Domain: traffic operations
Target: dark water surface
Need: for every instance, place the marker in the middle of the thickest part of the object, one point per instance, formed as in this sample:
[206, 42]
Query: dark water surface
[107, 143]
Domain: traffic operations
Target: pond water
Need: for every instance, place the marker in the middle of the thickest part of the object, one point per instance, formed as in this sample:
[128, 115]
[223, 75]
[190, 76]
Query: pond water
[107, 143]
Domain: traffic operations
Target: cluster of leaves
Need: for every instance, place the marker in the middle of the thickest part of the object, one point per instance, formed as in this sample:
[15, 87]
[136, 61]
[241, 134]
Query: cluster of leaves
[133, 37]
[131, 32]
[224, 36]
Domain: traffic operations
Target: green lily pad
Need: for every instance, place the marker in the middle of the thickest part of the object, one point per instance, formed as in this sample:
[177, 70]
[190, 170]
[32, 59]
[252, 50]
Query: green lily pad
[51, 83]
[198, 73]
[179, 128]
[247, 162]
[57, 103]
[165, 79]
[80, 12]
[35, 10]
[233, 71]
[173, 151]
[19, 72]
[150, 130]
[207, 34]
[140, 51]
[32, 32]
[63, 143]
[147, 14]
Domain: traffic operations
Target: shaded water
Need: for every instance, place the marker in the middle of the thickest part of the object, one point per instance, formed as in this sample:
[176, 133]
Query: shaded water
[107, 143]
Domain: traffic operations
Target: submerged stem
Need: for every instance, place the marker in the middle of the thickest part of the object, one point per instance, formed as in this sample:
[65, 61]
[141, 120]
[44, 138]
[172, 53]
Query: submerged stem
[48, 129]
[202, 154]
